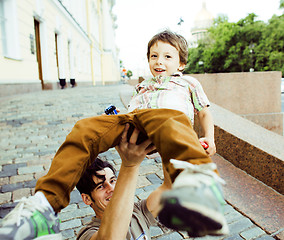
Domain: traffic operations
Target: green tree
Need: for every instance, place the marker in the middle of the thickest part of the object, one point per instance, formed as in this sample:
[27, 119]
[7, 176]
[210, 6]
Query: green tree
[281, 4]
[270, 51]
[216, 52]
[238, 47]
[194, 60]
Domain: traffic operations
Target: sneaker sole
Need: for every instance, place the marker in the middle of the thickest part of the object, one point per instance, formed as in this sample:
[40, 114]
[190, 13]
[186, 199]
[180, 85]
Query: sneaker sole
[191, 218]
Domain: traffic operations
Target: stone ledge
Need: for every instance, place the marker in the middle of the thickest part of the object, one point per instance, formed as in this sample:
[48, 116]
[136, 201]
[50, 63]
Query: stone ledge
[270, 121]
[251, 197]
[250, 147]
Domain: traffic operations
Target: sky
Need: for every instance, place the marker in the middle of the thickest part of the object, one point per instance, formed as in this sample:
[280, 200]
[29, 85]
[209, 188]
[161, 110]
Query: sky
[139, 20]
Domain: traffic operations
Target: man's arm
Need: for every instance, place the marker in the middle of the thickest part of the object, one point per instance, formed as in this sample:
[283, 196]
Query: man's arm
[206, 122]
[117, 215]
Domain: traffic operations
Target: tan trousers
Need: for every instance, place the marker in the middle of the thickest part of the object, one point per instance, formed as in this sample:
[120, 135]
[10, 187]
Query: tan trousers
[170, 130]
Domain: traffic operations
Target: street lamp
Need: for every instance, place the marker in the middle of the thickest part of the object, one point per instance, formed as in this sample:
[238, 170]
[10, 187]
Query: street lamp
[251, 46]
[180, 21]
[201, 65]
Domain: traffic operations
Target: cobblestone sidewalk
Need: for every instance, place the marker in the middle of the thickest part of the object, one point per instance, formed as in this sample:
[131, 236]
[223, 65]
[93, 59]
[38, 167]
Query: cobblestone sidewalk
[34, 125]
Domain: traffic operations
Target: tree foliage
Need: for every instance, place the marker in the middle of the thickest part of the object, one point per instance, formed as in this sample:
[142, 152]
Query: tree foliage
[241, 46]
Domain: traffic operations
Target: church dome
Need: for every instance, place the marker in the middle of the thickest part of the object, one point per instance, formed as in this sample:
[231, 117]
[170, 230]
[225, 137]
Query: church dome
[204, 19]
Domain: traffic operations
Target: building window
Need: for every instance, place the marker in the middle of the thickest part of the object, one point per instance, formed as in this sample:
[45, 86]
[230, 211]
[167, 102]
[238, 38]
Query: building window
[2, 25]
[9, 29]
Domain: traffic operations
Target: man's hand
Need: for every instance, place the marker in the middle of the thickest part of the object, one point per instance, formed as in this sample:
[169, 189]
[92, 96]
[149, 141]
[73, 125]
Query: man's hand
[130, 153]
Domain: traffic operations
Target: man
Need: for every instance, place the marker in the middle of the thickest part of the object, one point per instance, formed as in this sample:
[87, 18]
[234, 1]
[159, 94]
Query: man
[113, 199]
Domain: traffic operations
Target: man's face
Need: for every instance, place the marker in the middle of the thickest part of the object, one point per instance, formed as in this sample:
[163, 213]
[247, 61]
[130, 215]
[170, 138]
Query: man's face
[164, 59]
[104, 190]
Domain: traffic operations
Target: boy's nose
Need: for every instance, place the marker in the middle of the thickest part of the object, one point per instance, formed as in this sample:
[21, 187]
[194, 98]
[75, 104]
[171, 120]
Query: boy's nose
[159, 61]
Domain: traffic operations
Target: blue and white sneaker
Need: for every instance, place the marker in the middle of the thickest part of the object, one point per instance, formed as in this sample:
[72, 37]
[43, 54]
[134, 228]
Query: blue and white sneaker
[30, 220]
[195, 203]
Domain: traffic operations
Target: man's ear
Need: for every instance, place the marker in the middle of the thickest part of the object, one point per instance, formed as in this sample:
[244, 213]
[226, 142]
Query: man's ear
[86, 199]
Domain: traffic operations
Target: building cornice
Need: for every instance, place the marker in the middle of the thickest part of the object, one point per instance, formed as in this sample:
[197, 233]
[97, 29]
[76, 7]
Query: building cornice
[72, 20]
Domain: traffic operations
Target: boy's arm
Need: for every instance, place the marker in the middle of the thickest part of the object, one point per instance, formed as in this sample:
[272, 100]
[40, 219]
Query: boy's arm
[117, 215]
[207, 124]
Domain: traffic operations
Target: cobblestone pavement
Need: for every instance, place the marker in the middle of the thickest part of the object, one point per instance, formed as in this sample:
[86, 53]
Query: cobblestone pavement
[34, 125]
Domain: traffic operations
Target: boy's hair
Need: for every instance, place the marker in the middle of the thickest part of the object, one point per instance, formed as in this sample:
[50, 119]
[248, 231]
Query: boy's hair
[86, 183]
[173, 39]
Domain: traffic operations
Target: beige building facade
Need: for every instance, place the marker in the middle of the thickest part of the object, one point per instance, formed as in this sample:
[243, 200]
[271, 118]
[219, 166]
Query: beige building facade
[46, 43]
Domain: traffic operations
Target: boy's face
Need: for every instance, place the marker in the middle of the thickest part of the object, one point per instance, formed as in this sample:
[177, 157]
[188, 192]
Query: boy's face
[164, 59]
[104, 190]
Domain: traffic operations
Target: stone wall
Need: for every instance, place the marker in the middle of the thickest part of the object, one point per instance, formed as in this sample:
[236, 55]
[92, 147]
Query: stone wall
[255, 96]
[250, 147]
[13, 89]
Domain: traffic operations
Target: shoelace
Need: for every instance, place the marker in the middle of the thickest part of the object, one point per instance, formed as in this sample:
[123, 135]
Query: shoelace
[207, 169]
[25, 208]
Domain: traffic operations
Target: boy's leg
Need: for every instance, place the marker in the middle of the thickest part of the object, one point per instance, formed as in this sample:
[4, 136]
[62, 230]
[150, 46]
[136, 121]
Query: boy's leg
[173, 135]
[88, 138]
[195, 204]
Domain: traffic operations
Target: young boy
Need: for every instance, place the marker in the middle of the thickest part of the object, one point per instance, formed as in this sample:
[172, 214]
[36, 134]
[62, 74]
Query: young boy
[167, 56]
[195, 202]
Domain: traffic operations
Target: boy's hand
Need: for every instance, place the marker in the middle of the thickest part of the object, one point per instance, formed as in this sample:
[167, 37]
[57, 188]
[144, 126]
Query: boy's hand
[211, 150]
[130, 153]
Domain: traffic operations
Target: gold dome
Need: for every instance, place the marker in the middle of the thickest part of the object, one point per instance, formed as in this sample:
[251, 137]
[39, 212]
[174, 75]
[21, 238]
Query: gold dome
[204, 19]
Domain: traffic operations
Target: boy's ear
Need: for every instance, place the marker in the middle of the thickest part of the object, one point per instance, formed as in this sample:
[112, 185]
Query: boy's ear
[86, 199]
[181, 67]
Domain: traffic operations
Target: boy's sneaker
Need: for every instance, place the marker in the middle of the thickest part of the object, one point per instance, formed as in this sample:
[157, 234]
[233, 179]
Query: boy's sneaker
[195, 203]
[30, 220]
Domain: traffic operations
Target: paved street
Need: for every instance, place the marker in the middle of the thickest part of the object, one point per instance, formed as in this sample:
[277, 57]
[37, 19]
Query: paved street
[34, 125]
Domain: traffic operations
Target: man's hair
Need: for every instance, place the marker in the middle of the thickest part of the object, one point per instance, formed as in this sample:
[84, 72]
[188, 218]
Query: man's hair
[86, 183]
[174, 39]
